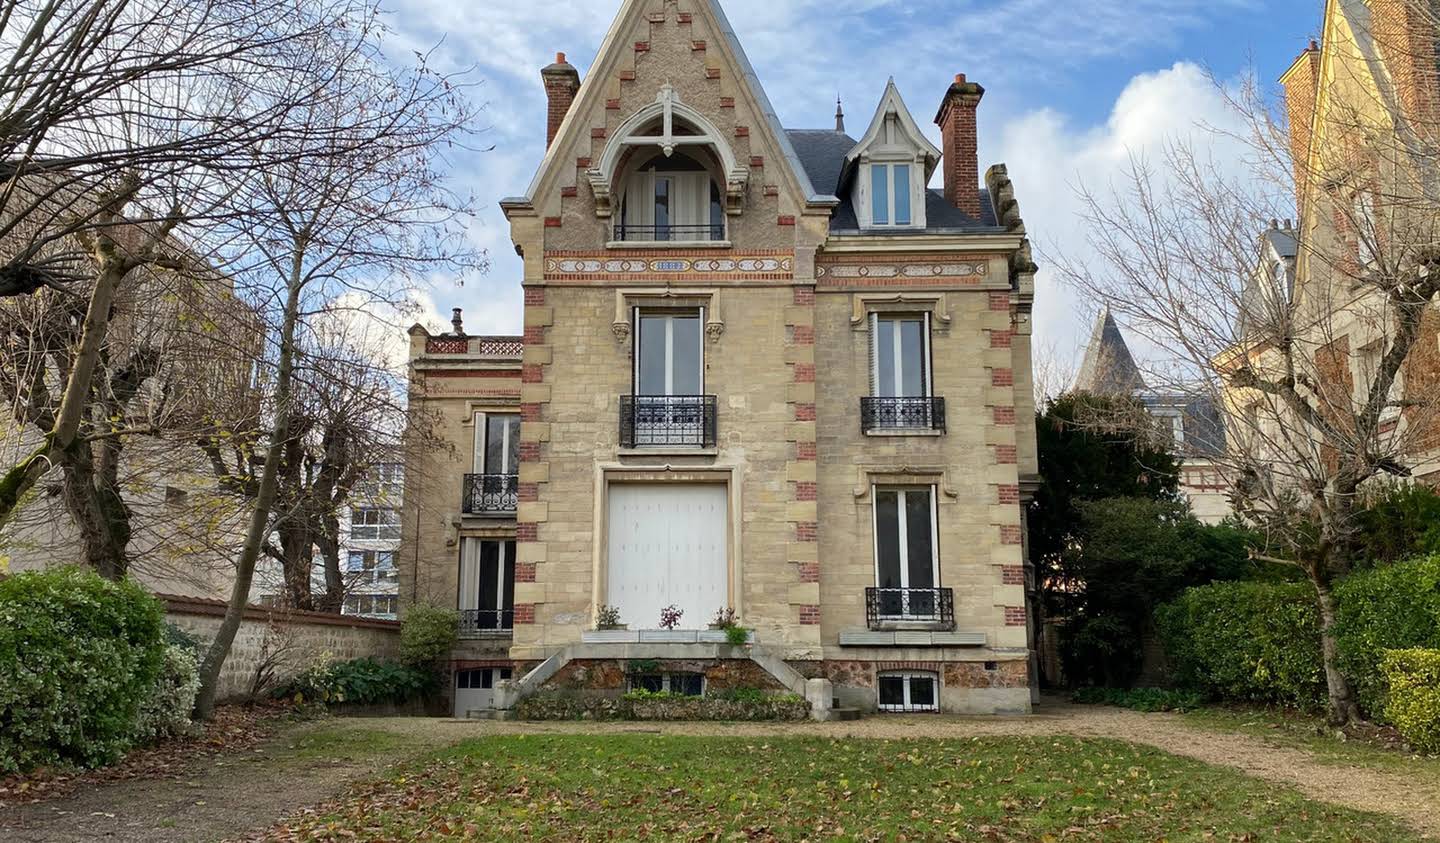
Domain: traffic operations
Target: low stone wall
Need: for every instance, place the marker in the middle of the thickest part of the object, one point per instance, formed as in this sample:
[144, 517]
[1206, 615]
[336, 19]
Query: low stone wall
[574, 707]
[611, 674]
[274, 644]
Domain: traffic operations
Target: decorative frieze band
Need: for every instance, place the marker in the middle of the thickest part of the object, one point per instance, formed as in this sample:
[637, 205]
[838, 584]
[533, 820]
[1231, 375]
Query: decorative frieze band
[607, 266]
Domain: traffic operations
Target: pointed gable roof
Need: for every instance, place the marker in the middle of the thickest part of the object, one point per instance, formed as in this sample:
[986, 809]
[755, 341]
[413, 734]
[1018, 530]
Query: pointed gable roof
[1108, 368]
[615, 46]
[892, 103]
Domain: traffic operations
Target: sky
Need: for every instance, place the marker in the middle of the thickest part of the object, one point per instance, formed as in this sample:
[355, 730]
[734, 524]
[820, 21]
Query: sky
[1074, 88]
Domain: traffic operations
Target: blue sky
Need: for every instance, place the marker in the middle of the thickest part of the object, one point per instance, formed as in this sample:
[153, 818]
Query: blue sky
[1073, 89]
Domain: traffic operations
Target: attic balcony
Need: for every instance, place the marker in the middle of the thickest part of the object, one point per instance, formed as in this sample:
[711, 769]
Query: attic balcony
[655, 235]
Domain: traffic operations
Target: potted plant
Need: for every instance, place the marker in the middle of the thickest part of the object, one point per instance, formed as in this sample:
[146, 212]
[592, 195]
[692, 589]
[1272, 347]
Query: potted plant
[609, 629]
[725, 628]
[608, 617]
[669, 631]
[724, 619]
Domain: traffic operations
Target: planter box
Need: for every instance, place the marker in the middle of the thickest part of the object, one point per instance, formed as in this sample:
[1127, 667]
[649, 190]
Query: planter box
[718, 636]
[668, 636]
[610, 636]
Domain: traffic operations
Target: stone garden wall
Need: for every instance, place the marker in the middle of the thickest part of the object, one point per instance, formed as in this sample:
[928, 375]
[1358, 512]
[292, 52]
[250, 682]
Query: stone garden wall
[273, 644]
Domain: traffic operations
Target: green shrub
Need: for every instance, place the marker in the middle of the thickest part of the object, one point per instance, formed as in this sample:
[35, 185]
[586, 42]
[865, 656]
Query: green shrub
[1141, 699]
[1397, 521]
[166, 713]
[1390, 608]
[737, 636]
[1246, 642]
[1413, 703]
[360, 681]
[79, 656]
[427, 634]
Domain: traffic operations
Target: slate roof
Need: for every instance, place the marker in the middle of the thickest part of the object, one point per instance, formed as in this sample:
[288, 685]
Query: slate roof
[1109, 367]
[822, 153]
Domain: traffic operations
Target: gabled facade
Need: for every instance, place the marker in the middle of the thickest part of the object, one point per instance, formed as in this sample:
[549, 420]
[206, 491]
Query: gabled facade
[763, 370]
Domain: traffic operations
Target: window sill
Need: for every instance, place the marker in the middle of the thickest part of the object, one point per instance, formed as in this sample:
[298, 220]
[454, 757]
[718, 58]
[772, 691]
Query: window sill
[904, 432]
[899, 638]
[667, 451]
[669, 244]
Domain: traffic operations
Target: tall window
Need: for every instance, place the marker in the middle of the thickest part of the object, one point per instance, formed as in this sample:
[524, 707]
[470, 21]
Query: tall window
[900, 355]
[497, 444]
[374, 525]
[668, 404]
[487, 584]
[670, 199]
[906, 562]
[890, 195]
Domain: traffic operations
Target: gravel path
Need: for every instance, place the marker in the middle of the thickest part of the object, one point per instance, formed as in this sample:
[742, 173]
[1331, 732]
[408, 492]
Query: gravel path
[242, 795]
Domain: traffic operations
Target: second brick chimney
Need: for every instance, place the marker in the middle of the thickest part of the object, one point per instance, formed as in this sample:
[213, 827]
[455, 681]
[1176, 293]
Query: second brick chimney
[962, 158]
[1301, 83]
[562, 83]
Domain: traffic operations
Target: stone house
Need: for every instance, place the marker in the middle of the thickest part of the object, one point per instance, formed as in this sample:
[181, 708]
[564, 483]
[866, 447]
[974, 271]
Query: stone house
[1363, 136]
[764, 370]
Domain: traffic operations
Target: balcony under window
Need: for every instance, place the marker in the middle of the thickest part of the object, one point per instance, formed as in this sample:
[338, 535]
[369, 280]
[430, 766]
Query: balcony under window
[494, 488]
[900, 378]
[487, 588]
[491, 494]
[668, 406]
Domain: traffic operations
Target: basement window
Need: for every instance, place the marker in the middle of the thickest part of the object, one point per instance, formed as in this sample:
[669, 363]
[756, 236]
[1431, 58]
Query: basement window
[909, 691]
[681, 684]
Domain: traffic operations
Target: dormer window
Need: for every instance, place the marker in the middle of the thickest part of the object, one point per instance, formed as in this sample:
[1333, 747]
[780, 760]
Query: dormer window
[890, 167]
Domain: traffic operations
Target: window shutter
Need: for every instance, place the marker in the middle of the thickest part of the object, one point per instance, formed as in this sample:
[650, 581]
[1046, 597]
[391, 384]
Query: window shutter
[635, 351]
[927, 375]
[469, 575]
[479, 462]
[874, 354]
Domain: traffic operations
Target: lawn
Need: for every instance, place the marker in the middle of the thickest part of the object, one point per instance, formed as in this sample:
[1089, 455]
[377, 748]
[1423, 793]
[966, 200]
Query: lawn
[652, 787]
[1309, 733]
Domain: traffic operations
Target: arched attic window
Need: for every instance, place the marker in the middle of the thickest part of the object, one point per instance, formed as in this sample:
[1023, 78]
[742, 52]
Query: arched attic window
[667, 199]
[667, 175]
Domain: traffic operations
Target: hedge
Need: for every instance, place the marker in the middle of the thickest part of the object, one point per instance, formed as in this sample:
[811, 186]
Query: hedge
[1391, 608]
[79, 656]
[362, 681]
[1413, 703]
[1246, 641]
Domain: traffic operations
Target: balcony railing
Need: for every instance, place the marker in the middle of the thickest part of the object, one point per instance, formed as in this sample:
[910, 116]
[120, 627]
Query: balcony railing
[683, 420]
[486, 623]
[491, 494]
[888, 608]
[669, 233]
[881, 414]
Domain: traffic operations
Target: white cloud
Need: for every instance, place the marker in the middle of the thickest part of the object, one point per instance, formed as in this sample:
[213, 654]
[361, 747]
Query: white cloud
[1049, 158]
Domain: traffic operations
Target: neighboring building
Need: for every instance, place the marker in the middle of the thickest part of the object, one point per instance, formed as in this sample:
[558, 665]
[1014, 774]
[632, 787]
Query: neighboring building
[1188, 422]
[763, 369]
[1363, 103]
[370, 543]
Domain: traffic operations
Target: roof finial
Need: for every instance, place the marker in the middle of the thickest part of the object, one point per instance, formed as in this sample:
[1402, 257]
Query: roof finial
[839, 116]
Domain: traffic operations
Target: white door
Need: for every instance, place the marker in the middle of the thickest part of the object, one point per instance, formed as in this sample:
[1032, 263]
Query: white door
[668, 545]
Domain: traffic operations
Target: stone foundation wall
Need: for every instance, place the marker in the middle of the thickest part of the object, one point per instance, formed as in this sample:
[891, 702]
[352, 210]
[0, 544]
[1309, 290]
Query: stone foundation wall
[570, 707]
[281, 642]
[610, 674]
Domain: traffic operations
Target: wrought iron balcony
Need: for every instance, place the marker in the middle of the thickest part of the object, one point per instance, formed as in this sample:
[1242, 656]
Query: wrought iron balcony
[677, 420]
[486, 623]
[669, 233]
[928, 608]
[491, 494]
[882, 414]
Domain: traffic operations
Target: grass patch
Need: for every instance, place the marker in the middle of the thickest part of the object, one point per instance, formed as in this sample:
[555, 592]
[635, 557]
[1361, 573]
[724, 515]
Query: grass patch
[650, 787]
[1296, 730]
[343, 742]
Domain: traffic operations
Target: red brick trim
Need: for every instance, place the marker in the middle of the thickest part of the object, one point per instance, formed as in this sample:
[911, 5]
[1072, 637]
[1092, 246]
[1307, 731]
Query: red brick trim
[804, 296]
[685, 17]
[1012, 574]
[697, 46]
[809, 615]
[553, 222]
[805, 531]
[999, 301]
[1004, 415]
[712, 73]
[642, 46]
[627, 76]
[1014, 615]
[584, 163]
[1010, 534]
[1008, 494]
[727, 102]
[742, 131]
[1002, 339]
[1002, 377]
[569, 191]
[772, 190]
[525, 613]
[1006, 455]
[804, 373]
[534, 295]
[524, 572]
[805, 491]
[599, 133]
[785, 219]
[804, 412]
[530, 412]
[810, 572]
[805, 452]
[532, 373]
[527, 532]
[612, 105]
[757, 161]
[527, 492]
[804, 335]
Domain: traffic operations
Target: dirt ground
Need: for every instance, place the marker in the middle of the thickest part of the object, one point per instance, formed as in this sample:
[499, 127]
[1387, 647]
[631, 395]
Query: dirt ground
[235, 797]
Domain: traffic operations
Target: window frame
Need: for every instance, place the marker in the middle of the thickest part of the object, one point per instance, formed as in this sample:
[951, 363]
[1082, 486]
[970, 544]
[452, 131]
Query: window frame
[510, 445]
[469, 599]
[379, 528]
[892, 194]
[902, 524]
[907, 677]
[926, 361]
[670, 315]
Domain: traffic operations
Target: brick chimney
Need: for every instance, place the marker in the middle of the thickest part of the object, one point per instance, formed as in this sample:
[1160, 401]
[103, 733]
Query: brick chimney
[962, 158]
[1301, 83]
[562, 83]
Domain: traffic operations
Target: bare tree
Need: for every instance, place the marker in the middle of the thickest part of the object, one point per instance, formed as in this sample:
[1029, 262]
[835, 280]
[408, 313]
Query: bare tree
[122, 122]
[360, 215]
[1321, 360]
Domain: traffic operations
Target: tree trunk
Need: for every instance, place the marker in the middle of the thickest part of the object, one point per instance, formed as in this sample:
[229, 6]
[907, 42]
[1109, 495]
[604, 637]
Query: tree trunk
[264, 499]
[93, 498]
[1344, 710]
